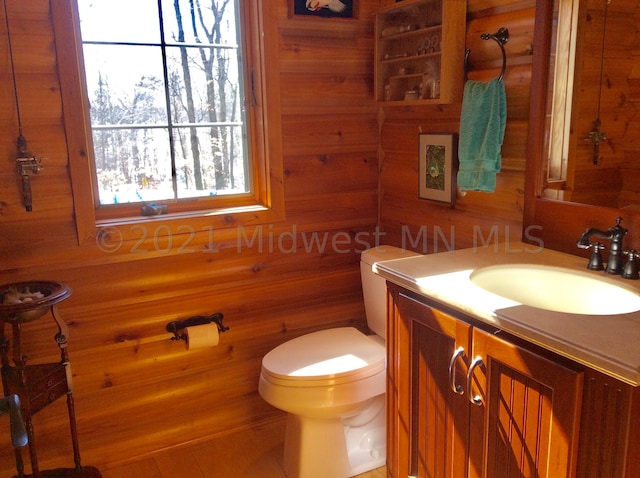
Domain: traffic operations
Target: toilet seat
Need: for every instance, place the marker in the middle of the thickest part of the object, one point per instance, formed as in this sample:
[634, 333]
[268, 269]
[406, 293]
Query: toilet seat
[326, 357]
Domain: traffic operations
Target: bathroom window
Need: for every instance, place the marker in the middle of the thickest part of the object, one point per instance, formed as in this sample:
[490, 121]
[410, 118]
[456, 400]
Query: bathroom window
[173, 97]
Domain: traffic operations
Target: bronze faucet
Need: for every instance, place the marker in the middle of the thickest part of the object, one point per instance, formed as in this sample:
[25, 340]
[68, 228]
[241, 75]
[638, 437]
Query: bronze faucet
[615, 234]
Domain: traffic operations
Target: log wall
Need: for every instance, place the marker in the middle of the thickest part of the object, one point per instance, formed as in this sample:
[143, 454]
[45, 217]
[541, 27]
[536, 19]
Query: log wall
[136, 391]
[608, 91]
[477, 218]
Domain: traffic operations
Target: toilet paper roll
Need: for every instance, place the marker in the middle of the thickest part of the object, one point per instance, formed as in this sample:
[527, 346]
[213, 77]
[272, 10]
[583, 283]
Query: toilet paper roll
[201, 336]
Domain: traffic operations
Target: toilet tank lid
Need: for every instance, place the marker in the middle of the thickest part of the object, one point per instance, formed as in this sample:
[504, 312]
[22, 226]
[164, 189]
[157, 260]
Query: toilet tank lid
[385, 253]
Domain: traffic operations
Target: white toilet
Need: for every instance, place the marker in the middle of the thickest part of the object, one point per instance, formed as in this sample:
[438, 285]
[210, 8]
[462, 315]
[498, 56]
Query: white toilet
[331, 383]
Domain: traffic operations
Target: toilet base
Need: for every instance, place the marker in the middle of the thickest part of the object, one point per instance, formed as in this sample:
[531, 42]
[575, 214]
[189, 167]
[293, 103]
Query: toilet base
[336, 448]
[315, 448]
[366, 442]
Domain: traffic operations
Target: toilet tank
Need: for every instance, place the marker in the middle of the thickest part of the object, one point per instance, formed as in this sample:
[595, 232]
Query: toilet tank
[374, 287]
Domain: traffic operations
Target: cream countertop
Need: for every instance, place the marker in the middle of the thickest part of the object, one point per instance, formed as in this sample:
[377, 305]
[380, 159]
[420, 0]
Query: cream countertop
[609, 343]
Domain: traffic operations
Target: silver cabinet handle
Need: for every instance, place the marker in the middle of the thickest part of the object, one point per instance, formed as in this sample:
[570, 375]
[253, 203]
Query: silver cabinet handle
[457, 388]
[474, 399]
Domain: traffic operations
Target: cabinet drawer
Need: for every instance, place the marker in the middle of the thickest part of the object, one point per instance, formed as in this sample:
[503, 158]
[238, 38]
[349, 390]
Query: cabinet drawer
[44, 384]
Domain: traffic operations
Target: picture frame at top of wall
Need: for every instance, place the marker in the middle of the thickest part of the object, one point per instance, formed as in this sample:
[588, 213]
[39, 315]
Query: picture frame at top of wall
[437, 167]
[323, 9]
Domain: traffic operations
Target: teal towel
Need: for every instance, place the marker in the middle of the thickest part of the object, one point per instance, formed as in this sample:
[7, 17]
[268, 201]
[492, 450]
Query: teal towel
[482, 124]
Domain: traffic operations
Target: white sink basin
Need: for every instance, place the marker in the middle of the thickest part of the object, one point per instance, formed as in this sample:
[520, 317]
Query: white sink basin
[558, 289]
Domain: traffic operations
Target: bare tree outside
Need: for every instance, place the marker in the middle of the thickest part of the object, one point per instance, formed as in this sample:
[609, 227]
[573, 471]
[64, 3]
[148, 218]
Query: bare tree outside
[166, 105]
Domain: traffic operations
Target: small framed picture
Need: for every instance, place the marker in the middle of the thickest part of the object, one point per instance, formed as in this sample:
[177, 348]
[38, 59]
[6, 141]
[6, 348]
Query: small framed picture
[323, 8]
[437, 167]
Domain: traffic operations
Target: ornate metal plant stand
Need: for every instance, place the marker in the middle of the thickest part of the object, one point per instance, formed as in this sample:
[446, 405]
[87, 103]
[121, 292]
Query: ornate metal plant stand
[39, 385]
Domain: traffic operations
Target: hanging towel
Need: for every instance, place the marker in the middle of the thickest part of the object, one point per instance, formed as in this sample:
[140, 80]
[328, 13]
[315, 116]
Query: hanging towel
[482, 124]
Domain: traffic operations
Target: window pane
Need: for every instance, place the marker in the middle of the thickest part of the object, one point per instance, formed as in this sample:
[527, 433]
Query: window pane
[213, 85]
[125, 84]
[213, 21]
[210, 161]
[136, 20]
[133, 165]
[158, 139]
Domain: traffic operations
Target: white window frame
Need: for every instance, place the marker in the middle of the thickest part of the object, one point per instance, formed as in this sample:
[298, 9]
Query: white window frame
[264, 204]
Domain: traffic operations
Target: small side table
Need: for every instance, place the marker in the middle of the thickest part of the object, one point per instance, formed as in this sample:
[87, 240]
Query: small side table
[41, 384]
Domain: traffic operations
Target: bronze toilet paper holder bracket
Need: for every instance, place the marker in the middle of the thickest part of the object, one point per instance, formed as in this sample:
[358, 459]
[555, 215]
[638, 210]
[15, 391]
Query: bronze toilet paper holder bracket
[176, 326]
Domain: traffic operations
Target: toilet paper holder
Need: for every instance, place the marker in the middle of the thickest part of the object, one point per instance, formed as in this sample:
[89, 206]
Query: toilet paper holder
[175, 326]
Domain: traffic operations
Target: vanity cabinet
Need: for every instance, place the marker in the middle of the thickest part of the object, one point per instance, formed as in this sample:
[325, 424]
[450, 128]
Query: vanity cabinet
[419, 52]
[463, 402]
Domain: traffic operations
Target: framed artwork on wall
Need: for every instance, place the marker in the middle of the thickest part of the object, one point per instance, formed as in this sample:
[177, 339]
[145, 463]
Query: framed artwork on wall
[323, 8]
[437, 167]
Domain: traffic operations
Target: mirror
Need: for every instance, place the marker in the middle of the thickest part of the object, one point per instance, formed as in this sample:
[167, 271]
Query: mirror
[558, 221]
[594, 93]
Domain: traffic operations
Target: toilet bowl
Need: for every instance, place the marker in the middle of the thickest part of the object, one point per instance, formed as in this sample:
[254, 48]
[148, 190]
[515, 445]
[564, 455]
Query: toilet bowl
[331, 383]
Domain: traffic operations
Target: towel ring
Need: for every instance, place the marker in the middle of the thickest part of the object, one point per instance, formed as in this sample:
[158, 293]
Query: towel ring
[501, 37]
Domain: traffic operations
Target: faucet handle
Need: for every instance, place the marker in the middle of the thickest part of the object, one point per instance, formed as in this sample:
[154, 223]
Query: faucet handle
[595, 261]
[630, 270]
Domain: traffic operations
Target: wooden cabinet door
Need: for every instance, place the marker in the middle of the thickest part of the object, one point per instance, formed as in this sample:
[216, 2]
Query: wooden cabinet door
[428, 416]
[609, 431]
[529, 407]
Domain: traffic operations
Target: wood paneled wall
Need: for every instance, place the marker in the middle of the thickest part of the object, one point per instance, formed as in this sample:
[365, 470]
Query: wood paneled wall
[136, 391]
[613, 182]
[583, 174]
[478, 218]
[347, 167]
[606, 88]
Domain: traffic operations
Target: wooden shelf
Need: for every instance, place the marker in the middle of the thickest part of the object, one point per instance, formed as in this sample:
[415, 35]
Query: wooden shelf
[419, 56]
